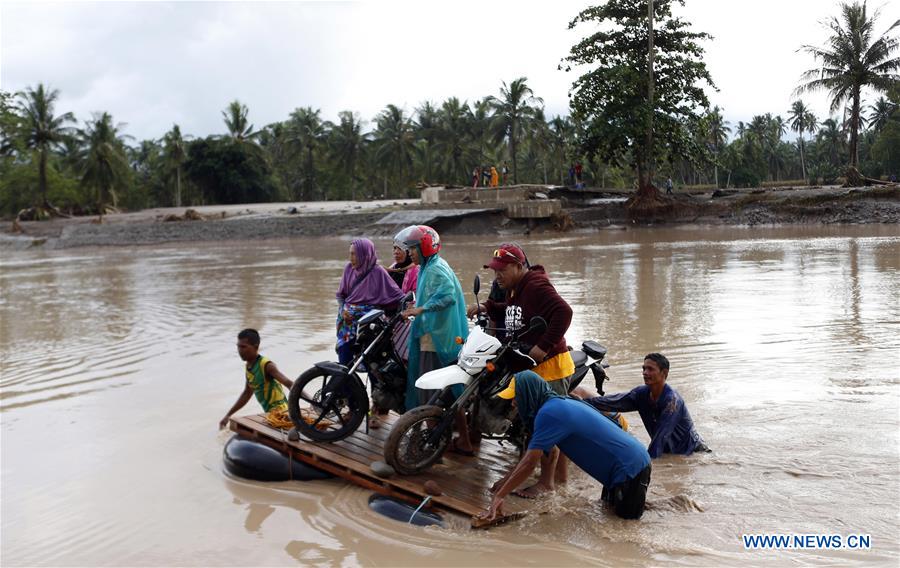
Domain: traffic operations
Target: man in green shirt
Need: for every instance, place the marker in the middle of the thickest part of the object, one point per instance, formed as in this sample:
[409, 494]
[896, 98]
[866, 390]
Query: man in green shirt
[262, 378]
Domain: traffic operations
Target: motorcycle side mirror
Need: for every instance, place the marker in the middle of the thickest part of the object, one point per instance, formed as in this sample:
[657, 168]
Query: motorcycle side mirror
[537, 324]
[477, 285]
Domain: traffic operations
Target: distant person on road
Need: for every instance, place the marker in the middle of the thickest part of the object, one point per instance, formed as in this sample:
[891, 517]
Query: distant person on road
[476, 175]
[263, 379]
[495, 177]
[485, 176]
[578, 170]
[669, 186]
[662, 410]
[504, 172]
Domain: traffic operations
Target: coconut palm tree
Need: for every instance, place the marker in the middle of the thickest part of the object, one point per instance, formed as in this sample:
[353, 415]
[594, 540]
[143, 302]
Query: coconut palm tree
[427, 124]
[801, 120]
[717, 131]
[513, 111]
[480, 127]
[833, 139]
[106, 167]
[854, 58]
[347, 145]
[235, 118]
[395, 144]
[562, 140]
[455, 152]
[540, 141]
[776, 129]
[175, 155]
[880, 113]
[306, 131]
[41, 130]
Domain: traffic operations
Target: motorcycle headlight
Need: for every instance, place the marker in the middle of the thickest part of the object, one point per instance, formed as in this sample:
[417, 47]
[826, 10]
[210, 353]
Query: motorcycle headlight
[470, 361]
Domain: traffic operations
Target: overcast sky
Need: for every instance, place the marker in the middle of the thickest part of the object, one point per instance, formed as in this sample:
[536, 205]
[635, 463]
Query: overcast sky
[152, 64]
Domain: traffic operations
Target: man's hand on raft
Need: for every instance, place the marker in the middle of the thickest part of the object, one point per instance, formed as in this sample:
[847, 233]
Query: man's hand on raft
[493, 511]
[223, 423]
[412, 312]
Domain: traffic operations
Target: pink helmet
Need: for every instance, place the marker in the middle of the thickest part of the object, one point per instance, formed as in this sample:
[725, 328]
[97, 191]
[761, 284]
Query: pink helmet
[422, 236]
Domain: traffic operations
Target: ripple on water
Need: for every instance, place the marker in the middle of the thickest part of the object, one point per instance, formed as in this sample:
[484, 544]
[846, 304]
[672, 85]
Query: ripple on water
[781, 348]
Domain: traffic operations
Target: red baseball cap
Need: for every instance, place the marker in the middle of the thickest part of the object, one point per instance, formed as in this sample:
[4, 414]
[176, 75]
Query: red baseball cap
[505, 255]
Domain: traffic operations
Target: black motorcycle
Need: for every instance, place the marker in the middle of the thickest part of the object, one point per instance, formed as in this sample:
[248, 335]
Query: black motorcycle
[334, 398]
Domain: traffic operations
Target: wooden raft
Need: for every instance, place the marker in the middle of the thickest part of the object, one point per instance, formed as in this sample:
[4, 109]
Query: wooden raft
[464, 481]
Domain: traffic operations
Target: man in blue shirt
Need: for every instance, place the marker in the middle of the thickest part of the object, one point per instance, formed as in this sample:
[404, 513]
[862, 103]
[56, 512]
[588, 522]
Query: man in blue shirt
[595, 443]
[661, 408]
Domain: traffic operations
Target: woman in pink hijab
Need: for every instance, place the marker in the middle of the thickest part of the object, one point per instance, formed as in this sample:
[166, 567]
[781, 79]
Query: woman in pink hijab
[365, 285]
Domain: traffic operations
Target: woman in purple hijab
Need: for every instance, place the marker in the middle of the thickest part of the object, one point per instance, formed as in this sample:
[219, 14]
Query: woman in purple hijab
[365, 285]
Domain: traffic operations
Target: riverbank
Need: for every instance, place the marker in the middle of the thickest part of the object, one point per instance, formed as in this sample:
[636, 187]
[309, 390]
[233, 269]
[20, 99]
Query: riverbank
[583, 210]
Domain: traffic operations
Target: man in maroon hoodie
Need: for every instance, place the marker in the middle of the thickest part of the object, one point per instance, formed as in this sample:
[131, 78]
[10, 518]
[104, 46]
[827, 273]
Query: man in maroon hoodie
[529, 294]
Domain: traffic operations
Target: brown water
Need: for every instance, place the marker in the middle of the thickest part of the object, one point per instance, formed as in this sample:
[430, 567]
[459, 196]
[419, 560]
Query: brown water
[117, 364]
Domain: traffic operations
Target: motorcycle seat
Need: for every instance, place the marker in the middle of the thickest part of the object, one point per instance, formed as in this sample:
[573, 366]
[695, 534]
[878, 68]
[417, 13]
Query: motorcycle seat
[578, 357]
[594, 349]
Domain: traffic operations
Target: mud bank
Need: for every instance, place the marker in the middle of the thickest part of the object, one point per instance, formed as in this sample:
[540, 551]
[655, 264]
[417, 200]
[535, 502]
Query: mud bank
[582, 211]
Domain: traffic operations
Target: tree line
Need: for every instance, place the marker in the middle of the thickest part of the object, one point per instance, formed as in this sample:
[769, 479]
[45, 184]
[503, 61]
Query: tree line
[638, 113]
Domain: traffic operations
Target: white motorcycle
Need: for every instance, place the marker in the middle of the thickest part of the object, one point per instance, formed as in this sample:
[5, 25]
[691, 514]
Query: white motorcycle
[484, 367]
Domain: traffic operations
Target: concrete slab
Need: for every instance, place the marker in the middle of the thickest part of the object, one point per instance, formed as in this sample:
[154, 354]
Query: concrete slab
[429, 216]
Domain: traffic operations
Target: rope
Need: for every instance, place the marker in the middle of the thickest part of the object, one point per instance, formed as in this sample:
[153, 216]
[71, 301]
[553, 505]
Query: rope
[419, 508]
[284, 440]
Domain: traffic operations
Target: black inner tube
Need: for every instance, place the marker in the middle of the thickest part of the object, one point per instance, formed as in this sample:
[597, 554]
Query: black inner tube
[252, 460]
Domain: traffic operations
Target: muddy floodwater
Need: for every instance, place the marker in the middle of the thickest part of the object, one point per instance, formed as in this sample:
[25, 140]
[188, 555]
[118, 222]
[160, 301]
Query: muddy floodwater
[117, 363]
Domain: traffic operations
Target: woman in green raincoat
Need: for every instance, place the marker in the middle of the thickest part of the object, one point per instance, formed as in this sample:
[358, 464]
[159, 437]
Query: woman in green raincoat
[440, 311]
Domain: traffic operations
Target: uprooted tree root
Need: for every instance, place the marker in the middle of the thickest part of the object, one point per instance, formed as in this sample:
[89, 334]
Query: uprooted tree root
[650, 204]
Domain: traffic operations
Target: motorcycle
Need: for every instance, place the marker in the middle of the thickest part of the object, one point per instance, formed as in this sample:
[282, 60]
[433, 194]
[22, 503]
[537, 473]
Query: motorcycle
[335, 398]
[485, 367]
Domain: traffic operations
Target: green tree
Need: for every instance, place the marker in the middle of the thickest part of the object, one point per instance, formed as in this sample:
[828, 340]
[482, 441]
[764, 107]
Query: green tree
[427, 126]
[853, 58]
[42, 130]
[10, 120]
[454, 148]
[175, 153]
[886, 147]
[395, 145]
[802, 120]
[540, 142]
[880, 113]
[717, 131]
[237, 123]
[513, 111]
[106, 169]
[562, 142]
[613, 97]
[347, 145]
[306, 131]
[480, 128]
[226, 172]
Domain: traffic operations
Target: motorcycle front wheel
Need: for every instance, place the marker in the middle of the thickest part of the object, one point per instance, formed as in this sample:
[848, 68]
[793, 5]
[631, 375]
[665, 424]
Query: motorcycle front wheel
[326, 407]
[407, 449]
